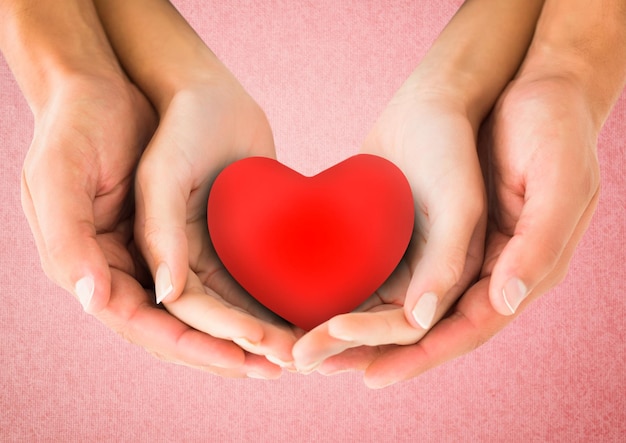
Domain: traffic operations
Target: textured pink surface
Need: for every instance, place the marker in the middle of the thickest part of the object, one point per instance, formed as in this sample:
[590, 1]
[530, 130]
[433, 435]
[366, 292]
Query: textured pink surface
[322, 71]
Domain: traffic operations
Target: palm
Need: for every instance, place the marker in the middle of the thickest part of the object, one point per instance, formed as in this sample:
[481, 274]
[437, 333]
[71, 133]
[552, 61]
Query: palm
[542, 142]
[435, 148]
[198, 136]
[423, 153]
[524, 156]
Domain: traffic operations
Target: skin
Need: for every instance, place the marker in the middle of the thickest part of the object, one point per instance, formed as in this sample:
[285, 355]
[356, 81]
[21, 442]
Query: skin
[92, 125]
[429, 129]
[207, 121]
[527, 161]
[60, 57]
[161, 230]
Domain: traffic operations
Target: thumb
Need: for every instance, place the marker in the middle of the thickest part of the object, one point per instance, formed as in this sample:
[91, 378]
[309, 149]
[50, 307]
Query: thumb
[548, 225]
[58, 198]
[160, 227]
[446, 261]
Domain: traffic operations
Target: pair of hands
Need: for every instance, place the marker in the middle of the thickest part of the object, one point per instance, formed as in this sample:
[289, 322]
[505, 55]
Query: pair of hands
[528, 208]
[112, 193]
[78, 197]
[106, 210]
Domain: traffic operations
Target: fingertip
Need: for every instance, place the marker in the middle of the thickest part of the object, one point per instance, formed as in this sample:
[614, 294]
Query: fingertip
[163, 286]
[377, 383]
[421, 313]
[512, 280]
[339, 328]
[93, 291]
[84, 290]
[166, 251]
[506, 298]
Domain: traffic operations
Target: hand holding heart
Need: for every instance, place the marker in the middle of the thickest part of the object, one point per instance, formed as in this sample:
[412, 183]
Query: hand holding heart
[171, 221]
[208, 121]
[310, 248]
[438, 156]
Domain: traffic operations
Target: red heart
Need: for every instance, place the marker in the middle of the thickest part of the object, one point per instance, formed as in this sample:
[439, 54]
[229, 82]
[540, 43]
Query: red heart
[309, 248]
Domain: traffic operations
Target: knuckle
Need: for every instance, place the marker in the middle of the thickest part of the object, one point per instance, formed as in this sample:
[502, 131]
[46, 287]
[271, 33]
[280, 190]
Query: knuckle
[551, 253]
[48, 270]
[451, 269]
[475, 206]
[480, 335]
[151, 234]
[560, 273]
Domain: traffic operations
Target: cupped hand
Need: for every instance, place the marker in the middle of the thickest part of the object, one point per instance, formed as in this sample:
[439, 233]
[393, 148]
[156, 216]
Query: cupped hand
[201, 131]
[77, 196]
[538, 151]
[433, 142]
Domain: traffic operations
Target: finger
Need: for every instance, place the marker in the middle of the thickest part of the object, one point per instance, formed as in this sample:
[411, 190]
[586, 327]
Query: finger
[451, 258]
[58, 198]
[162, 190]
[316, 346]
[546, 225]
[472, 323]
[278, 336]
[254, 366]
[275, 346]
[559, 271]
[132, 315]
[257, 366]
[353, 359]
[206, 312]
[382, 327]
[353, 330]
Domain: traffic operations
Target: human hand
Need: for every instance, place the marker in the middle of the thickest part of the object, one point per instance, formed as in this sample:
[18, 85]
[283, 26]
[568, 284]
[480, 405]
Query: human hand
[433, 142]
[76, 187]
[530, 162]
[91, 126]
[200, 133]
[538, 145]
[429, 130]
[207, 121]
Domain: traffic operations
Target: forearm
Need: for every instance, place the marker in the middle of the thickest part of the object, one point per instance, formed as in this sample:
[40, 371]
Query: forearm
[478, 53]
[45, 42]
[157, 47]
[583, 42]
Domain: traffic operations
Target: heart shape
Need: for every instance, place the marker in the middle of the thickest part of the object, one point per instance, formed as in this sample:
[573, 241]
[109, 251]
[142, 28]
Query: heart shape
[309, 248]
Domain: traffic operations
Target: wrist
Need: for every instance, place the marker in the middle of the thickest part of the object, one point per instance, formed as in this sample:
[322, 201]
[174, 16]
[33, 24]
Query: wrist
[581, 43]
[477, 54]
[448, 88]
[159, 50]
[598, 86]
[47, 46]
[200, 75]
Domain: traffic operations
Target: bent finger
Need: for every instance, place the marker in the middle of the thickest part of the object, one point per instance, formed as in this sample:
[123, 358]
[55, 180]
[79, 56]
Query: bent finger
[546, 225]
[58, 199]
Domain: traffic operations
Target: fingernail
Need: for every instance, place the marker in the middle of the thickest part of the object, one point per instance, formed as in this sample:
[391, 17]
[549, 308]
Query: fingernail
[424, 310]
[84, 289]
[163, 283]
[338, 334]
[278, 361]
[513, 293]
[381, 384]
[309, 368]
[244, 343]
[256, 375]
[334, 371]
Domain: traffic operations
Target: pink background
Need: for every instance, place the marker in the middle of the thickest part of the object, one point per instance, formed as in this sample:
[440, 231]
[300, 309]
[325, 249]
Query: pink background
[322, 71]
